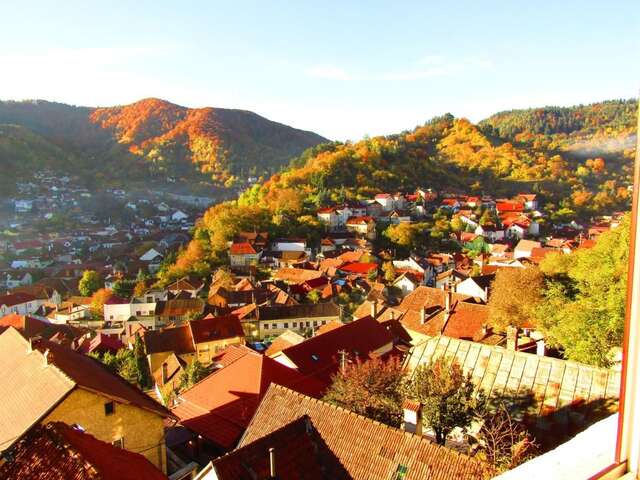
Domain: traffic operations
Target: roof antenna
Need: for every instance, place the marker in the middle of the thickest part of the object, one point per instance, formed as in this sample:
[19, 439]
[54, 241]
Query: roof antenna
[343, 358]
[272, 463]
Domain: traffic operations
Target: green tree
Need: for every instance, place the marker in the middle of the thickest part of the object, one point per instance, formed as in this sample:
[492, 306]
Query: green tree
[89, 283]
[583, 305]
[313, 296]
[372, 388]
[446, 395]
[389, 272]
[124, 288]
[191, 375]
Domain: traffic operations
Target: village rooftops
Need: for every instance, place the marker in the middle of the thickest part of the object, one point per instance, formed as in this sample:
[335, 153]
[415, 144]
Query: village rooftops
[14, 299]
[220, 406]
[350, 446]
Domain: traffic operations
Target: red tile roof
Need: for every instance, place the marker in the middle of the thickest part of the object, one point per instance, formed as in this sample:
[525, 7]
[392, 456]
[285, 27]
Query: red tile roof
[319, 355]
[220, 407]
[367, 450]
[58, 452]
[210, 328]
[16, 299]
[359, 267]
[243, 248]
[300, 453]
[176, 339]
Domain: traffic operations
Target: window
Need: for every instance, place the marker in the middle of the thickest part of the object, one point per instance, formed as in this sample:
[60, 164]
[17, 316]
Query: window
[308, 324]
[266, 326]
[274, 326]
[315, 324]
[286, 325]
[295, 324]
[109, 408]
[119, 443]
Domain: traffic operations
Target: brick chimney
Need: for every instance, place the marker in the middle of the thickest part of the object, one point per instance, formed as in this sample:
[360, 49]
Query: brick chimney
[512, 338]
[412, 417]
[374, 309]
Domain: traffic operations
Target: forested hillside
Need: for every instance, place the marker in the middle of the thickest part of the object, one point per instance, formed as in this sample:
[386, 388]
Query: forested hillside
[444, 154]
[152, 138]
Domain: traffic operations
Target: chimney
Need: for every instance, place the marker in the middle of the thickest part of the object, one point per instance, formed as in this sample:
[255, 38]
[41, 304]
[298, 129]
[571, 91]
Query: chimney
[412, 417]
[272, 463]
[165, 373]
[447, 302]
[46, 357]
[541, 348]
[512, 338]
[374, 309]
[423, 315]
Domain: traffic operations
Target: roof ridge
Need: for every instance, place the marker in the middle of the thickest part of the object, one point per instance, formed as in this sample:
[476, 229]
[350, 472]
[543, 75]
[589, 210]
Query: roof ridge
[376, 422]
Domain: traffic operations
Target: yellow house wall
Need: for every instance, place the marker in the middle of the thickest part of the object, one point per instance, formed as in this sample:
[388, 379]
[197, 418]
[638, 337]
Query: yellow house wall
[142, 431]
[300, 324]
[206, 350]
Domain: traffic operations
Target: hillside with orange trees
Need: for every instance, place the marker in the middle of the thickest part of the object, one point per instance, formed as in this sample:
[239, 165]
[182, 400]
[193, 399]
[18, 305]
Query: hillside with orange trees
[161, 139]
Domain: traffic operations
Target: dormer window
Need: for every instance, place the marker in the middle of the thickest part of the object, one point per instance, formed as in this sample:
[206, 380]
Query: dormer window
[315, 357]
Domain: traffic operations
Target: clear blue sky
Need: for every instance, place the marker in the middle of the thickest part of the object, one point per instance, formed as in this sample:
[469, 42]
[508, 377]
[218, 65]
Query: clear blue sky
[342, 69]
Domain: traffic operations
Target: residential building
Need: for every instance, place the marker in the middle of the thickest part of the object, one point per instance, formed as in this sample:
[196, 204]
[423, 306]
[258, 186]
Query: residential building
[20, 303]
[45, 382]
[308, 435]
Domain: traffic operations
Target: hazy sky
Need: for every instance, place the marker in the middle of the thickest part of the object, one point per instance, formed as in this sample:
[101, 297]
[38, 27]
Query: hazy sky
[343, 69]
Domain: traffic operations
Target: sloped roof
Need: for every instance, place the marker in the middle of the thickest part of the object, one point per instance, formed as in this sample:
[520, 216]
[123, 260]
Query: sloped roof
[176, 339]
[58, 452]
[550, 383]
[282, 341]
[220, 406]
[358, 267]
[31, 327]
[210, 328]
[243, 248]
[300, 454]
[320, 356]
[33, 384]
[296, 275]
[366, 449]
[16, 299]
[179, 306]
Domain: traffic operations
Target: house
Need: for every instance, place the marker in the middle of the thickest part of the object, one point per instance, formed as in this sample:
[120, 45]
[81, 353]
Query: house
[407, 282]
[273, 320]
[179, 216]
[191, 285]
[524, 247]
[365, 226]
[23, 206]
[296, 275]
[198, 339]
[178, 309]
[477, 287]
[386, 201]
[429, 312]
[294, 435]
[57, 451]
[44, 382]
[151, 255]
[321, 356]
[20, 303]
[361, 269]
[31, 327]
[328, 216]
[218, 408]
[530, 200]
[244, 254]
